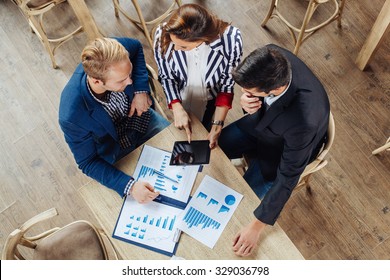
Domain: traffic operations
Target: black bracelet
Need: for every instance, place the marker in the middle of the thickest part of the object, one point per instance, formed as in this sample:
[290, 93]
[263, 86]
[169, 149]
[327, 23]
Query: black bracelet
[214, 122]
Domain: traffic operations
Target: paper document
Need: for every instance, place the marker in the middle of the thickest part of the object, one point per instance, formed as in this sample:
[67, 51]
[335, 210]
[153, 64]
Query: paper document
[152, 226]
[209, 211]
[174, 182]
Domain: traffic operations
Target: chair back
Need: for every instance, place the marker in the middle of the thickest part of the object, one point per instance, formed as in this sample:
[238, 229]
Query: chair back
[320, 161]
[79, 240]
[152, 78]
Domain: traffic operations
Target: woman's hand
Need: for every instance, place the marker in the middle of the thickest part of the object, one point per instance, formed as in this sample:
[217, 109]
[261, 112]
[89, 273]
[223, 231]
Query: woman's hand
[182, 119]
[214, 134]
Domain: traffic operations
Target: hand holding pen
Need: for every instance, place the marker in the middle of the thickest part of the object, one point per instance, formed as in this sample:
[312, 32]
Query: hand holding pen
[143, 192]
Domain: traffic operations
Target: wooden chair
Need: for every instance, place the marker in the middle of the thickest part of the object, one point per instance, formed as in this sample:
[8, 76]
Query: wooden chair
[386, 147]
[141, 23]
[319, 163]
[34, 11]
[304, 31]
[79, 240]
[152, 76]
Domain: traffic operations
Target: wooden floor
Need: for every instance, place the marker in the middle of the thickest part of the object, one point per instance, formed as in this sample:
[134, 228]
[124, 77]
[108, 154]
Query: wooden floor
[347, 215]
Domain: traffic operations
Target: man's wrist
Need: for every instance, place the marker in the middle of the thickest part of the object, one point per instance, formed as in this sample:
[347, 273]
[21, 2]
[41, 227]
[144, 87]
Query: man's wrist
[128, 187]
[258, 225]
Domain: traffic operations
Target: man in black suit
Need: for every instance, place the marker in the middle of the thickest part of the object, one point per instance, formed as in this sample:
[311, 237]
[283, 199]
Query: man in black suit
[284, 130]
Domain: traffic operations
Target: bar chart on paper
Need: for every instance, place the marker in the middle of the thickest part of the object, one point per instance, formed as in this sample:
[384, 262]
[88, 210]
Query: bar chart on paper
[153, 225]
[141, 223]
[161, 182]
[209, 211]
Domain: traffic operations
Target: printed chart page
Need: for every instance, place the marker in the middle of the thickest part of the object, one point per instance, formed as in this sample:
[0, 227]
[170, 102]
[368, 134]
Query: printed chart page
[171, 181]
[152, 226]
[209, 211]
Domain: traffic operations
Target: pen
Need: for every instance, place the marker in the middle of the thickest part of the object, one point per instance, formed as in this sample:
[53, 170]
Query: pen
[163, 175]
[176, 235]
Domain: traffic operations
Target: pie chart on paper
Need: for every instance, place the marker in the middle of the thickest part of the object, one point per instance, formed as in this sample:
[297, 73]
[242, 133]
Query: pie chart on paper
[230, 199]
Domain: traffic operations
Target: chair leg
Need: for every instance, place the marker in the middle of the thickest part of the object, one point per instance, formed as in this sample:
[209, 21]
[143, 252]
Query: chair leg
[341, 9]
[116, 4]
[143, 23]
[384, 147]
[140, 23]
[303, 182]
[303, 30]
[269, 14]
[36, 26]
[307, 185]
[309, 13]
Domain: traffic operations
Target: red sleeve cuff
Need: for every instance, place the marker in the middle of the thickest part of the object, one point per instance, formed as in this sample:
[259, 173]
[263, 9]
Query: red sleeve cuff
[224, 99]
[173, 102]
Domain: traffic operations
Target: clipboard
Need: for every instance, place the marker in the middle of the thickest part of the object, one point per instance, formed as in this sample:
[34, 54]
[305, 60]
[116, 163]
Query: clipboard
[154, 225]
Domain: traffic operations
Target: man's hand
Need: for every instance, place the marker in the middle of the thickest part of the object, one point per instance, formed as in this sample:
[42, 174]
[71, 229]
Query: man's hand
[141, 103]
[143, 192]
[250, 103]
[246, 240]
[182, 119]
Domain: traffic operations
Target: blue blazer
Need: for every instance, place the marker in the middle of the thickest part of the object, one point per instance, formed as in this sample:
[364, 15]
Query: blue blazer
[225, 55]
[289, 135]
[88, 128]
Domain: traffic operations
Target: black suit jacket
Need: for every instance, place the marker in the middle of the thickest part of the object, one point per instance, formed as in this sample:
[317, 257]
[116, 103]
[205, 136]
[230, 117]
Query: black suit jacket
[290, 134]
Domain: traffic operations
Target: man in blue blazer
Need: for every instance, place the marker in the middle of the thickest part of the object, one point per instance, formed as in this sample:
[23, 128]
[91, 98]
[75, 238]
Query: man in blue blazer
[284, 130]
[105, 112]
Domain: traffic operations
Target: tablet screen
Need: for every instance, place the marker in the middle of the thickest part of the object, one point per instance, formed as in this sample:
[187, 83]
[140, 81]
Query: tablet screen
[194, 153]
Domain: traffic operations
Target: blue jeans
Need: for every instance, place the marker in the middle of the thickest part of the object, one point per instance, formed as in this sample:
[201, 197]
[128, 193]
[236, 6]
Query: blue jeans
[156, 124]
[236, 143]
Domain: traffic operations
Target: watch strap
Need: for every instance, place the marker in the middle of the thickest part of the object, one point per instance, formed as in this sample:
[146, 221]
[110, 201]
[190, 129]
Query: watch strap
[215, 122]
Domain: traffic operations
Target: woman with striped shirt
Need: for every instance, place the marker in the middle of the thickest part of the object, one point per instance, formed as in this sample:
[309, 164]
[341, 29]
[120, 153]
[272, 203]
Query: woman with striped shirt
[195, 53]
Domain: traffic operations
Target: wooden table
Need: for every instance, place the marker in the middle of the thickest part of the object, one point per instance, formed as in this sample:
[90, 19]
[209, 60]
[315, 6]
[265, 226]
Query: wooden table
[106, 205]
[377, 34]
[85, 18]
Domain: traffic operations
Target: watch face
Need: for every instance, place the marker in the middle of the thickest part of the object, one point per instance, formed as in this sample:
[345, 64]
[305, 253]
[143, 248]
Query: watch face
[217, 122]
[195, 153]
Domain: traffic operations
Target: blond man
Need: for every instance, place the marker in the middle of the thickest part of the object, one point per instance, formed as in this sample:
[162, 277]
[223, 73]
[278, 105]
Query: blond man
[106, 112]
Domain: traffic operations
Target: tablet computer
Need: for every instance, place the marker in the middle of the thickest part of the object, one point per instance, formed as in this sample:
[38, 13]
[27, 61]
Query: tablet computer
[195, 153]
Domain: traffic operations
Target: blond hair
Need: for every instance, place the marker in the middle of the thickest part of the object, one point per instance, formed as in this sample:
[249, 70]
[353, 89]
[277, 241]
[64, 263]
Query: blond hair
[100, 54]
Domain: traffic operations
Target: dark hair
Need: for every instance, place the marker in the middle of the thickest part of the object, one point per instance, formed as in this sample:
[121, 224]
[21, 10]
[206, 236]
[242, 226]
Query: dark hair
[191, 23]
[264, 69]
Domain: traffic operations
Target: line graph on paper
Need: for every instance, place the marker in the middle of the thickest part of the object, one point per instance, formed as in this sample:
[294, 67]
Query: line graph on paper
[158, 239]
